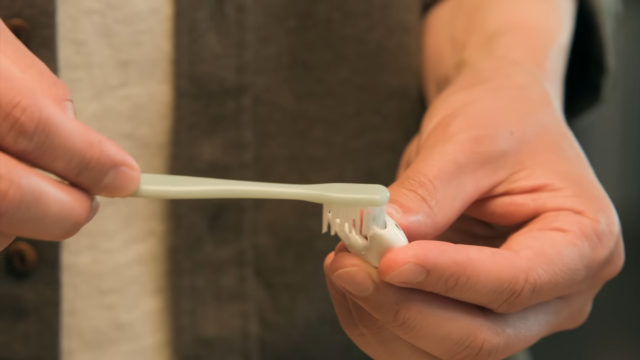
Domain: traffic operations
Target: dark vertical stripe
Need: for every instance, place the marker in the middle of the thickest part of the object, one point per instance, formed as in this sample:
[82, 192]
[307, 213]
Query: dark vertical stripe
[213, 311]
[290, 91]
[30, 303]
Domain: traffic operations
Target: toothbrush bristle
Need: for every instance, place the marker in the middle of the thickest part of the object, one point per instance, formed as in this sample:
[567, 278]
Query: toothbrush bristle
[353, 219]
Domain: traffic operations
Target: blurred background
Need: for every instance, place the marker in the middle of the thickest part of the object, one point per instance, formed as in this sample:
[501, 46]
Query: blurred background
[610, 135]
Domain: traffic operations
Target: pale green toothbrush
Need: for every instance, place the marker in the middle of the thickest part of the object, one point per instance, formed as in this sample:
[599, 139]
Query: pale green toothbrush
[354, 211]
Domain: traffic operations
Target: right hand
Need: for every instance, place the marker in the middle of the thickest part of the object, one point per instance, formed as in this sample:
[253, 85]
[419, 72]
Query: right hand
[512, 236]
[38, 130]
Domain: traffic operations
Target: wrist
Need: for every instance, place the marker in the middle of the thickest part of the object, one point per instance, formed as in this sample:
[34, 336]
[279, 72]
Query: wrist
[521, 50]
[530, 35]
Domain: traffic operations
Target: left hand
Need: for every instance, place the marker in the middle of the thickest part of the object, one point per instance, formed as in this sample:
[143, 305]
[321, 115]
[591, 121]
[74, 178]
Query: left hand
[39, 130]
[511, 234]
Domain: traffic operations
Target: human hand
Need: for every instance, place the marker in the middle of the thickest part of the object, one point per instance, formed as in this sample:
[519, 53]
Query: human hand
[38, 129]
[511, 234]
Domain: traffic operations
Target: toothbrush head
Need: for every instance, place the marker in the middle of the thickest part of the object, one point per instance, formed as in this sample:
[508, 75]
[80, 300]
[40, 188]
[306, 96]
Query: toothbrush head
[366, 231]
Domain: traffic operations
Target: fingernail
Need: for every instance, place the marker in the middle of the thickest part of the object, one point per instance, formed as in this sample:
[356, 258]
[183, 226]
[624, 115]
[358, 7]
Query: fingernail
[71, 110]
[408, 274]
[354, 280]
[120, 181]
[95, 205]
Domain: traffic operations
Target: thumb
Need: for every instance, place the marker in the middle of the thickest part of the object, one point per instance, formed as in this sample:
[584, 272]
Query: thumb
[440, 184]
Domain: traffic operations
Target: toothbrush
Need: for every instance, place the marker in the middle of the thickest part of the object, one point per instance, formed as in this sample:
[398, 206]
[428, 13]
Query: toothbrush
[355, 212]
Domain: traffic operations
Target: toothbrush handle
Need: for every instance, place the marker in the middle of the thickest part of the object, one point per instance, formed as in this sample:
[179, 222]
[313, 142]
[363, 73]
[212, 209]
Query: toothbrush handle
[161, 186]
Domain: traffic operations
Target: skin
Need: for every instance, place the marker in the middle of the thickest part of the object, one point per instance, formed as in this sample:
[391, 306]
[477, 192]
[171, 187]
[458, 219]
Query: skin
[39, 130]
[511, 234]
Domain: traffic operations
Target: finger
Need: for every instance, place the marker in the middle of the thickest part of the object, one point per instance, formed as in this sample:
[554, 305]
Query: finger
[22, 61]
[408, 156]
[39, 133]
[547, 259]
[471, 231]
[448, 174]
[366, 331]
[35, 206]
[444, 327]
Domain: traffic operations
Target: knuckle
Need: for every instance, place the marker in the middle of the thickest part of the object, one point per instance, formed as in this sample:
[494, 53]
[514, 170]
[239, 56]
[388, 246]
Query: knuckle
[359, 326]
[611, 232]
[579, 316]
[366, 328]
[61, 89]
[516, 293]
[20, 132]
[484, 343]
[352, 327]
[616, 262]
[490, 146]
[86, 169]
[606, 246]
[403, 319]
[421, 187]
[10, 194]
[451, 283]
[354, 332]
[611, 258]
[607, 225]
[16, 208]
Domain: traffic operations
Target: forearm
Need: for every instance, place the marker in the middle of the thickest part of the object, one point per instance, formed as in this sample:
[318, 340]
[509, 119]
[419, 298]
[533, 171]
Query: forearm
[534, 35]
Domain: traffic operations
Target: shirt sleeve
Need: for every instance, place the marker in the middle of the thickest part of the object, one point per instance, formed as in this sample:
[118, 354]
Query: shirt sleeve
[591, 57]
